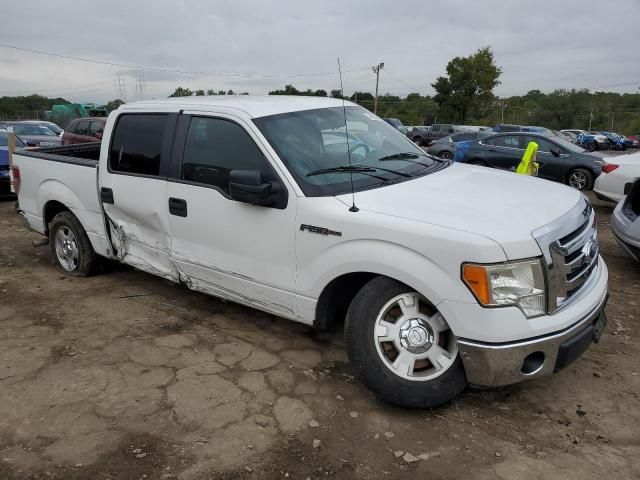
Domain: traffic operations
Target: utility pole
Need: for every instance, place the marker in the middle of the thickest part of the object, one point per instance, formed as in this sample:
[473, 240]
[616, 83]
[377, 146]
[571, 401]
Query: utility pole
[140, 85]
[121, 88]
[612, 116]
[376, 70]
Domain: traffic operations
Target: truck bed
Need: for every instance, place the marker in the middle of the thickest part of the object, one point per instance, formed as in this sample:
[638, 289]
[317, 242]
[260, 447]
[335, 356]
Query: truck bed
[86, 154]
[61, 176]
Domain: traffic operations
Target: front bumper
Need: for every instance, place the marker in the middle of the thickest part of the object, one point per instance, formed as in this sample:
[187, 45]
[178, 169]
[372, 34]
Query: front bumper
[496, 364]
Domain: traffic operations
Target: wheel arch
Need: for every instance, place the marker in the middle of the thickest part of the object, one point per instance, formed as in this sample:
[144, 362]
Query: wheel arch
[50, 210]
[338, 279]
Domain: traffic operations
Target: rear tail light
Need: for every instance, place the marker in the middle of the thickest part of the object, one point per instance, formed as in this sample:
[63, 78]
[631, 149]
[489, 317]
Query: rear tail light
[15, 180]
[609, 167]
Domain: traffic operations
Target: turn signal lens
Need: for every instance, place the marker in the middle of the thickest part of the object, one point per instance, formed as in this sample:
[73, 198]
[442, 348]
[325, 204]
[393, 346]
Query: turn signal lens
[609, 167]
[477, 279]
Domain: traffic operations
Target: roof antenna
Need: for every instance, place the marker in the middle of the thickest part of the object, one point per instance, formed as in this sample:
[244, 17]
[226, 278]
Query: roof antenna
[353, 207]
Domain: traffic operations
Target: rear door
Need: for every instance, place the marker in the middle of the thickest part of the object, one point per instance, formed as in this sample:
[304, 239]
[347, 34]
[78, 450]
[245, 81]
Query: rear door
[551, 167]
[82, 132]
[233, 250]
[133, 189]
[504, 151]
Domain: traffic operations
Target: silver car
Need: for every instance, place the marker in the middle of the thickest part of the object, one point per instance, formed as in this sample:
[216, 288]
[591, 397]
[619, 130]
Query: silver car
[625, 221]
[35, 134]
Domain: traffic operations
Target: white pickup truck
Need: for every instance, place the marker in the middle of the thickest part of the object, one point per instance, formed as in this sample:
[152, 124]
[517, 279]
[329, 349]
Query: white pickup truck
[445, 274]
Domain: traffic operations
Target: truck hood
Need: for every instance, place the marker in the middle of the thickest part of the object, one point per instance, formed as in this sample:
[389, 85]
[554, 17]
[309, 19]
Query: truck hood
[500, 205]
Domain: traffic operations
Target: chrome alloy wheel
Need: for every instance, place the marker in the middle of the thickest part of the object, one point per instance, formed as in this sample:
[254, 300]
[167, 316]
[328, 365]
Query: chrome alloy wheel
[412, 338]
[578, 180]
[67, 249]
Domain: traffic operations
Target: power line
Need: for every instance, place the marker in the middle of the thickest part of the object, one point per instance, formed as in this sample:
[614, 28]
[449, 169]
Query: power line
[417, 90]
[173, 70]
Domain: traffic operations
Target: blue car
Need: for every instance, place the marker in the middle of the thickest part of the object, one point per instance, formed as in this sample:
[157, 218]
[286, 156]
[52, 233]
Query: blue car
[5, 184]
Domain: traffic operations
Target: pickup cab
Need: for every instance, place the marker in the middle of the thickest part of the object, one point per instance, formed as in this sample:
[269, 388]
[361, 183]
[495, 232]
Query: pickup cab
[317, 211]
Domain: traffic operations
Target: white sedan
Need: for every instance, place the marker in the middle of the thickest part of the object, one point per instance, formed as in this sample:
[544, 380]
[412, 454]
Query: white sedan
[617, 172]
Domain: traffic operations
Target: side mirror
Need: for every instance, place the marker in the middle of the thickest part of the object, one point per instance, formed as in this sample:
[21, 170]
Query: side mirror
[555, 151]
[32, 143]
[247, 186]
[451, 130]
[99, 135]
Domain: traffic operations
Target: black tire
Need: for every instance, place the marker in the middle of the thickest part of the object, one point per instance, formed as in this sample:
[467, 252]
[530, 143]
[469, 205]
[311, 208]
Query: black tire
[447, 155]
[591, 146]
[588, 176]
[87, 259]
[418, 141]
[370, 368]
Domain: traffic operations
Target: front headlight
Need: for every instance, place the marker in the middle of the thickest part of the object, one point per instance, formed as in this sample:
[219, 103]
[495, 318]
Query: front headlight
[519, 284]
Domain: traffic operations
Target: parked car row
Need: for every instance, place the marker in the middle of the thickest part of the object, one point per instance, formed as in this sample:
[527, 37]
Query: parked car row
[559, 160]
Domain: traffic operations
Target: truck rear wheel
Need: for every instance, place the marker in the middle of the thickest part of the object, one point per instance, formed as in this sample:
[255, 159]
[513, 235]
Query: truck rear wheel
[70, 246]
[401, 346]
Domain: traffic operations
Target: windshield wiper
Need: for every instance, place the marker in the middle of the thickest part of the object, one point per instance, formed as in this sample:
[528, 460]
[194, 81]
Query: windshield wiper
[407, 156]
[342, 169]
[357, 169]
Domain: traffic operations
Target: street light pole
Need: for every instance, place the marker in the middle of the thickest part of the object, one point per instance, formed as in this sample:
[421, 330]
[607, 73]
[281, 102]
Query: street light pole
[376, 70]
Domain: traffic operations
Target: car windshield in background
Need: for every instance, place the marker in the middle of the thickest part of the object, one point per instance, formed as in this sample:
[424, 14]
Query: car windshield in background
[572, 147]
[32, 129]
[4, 140]
[313, 145]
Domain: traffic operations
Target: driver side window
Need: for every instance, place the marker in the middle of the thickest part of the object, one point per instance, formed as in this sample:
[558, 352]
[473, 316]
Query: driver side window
[214, 147]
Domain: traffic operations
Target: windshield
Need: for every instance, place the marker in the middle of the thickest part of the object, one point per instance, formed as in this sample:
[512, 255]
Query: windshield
[572, 147]
[33, 129]
[315, 140]
[4, 140]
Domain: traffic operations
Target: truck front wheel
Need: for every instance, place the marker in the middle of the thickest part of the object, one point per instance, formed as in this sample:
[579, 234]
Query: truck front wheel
[70, 246]
[401, 346]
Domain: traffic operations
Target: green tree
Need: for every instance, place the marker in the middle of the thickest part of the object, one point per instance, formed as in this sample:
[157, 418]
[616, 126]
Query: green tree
[199, 93]
[181, 92]
[221, 92]
[211, 91]
[336, 93]
[113, 104]
[468, 86]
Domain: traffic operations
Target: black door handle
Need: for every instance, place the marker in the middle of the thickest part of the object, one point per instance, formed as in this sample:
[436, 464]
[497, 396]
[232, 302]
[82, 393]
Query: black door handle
[106, 195]
[178, 207]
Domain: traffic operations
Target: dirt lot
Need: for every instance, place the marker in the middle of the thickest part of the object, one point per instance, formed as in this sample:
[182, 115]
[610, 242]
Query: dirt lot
[126, 376]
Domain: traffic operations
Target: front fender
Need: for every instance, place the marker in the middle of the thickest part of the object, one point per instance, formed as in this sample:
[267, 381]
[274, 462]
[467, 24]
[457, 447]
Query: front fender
[435, 282]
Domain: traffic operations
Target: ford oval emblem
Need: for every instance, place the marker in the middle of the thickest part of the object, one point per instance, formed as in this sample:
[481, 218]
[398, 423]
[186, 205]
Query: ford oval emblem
[589, 250]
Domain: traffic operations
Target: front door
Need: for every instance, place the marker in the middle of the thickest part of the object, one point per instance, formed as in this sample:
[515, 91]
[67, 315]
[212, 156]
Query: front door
[233, 250]
[504, 151]
[133, 190]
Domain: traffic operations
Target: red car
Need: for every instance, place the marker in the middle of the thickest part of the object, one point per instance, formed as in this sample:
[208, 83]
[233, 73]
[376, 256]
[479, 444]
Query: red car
[84, 130]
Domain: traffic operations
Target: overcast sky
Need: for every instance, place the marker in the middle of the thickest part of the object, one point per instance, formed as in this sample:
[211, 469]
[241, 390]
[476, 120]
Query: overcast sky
[540, 44]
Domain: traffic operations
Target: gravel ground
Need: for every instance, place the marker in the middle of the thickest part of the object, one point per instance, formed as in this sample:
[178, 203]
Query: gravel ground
[124, 375]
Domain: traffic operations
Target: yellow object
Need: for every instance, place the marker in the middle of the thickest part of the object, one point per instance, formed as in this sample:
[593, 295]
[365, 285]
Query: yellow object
[477, 279]
[528, 164]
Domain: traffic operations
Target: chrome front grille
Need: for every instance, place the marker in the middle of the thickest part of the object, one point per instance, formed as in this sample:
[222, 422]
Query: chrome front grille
[570, 247]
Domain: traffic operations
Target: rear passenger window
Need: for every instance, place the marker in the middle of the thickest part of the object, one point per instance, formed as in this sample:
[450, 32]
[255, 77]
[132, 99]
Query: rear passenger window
[214, 147]
[82, 128]
[136, 146]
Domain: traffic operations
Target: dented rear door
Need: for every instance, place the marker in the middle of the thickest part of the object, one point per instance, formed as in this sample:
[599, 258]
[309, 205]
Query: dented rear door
[133, 190]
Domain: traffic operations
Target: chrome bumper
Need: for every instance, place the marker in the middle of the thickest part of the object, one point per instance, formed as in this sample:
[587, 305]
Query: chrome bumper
[492, 365]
